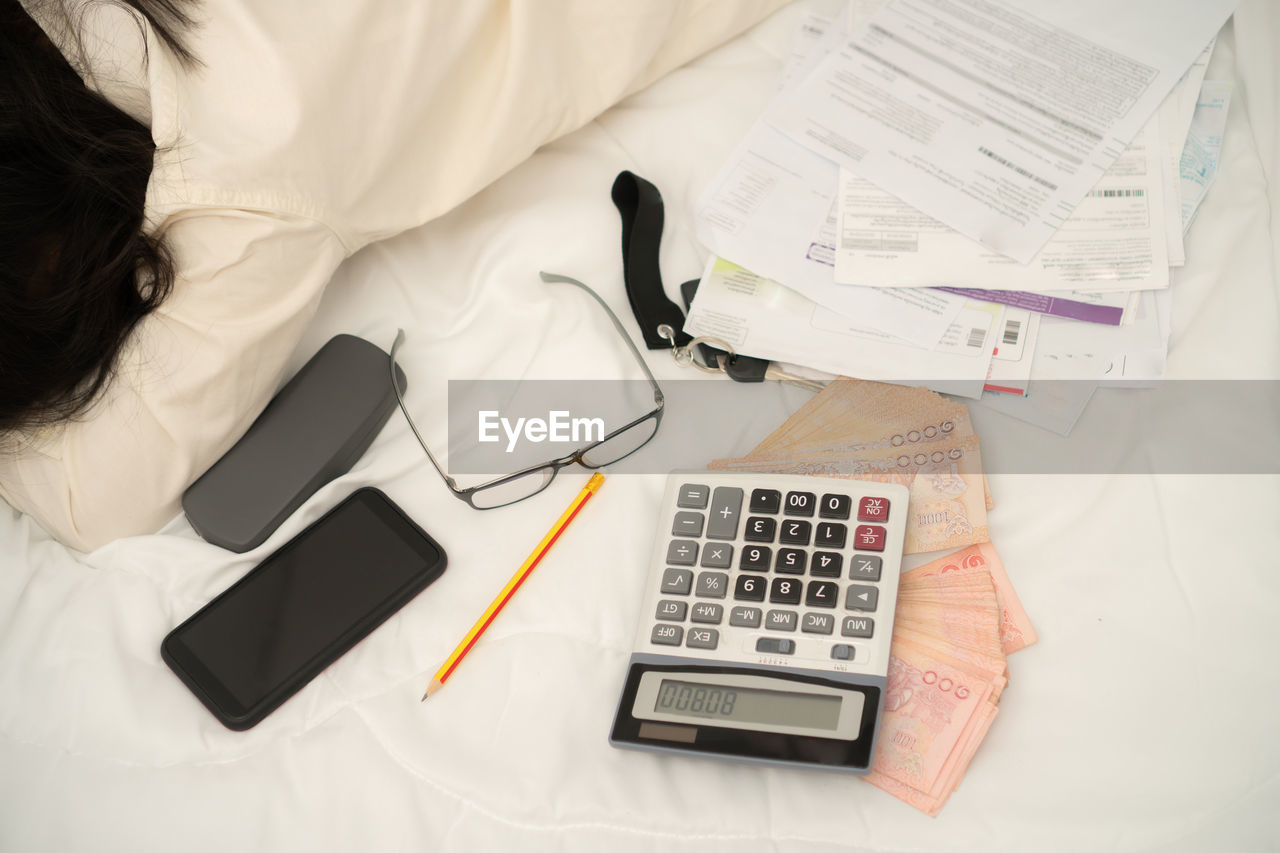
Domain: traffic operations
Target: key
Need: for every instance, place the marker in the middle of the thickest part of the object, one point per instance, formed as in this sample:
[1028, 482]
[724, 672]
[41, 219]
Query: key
[755, 558]
[821, 594]
[766, 500]
[742, 368]
[677, 582]
[866, 567]
[829, 534]
[722, 517]
[837, 507]
[784, 591]
[818, 623]
[828, 565]
[749, 588]
[666, 635]
[790, 561]
[795, 532]
[799, 503]
[693, 496]
[671, 611]
[687, 524]
[706, 613]
[783, 373]
[861, 598]
[760, 529]
[711, 585]
[703, 638]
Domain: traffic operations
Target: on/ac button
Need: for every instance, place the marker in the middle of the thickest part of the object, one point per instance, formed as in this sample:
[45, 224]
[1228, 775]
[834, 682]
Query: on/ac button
[873, 509]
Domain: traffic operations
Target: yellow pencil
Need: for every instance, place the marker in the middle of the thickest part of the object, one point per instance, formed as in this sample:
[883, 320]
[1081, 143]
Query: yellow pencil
[593, 485]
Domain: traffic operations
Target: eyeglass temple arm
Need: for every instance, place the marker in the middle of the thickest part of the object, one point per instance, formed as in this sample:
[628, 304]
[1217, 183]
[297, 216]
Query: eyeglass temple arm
[453, 486]
[555, 278]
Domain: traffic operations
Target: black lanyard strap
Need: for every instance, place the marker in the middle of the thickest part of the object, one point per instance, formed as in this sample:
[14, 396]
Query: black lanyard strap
[640, 205]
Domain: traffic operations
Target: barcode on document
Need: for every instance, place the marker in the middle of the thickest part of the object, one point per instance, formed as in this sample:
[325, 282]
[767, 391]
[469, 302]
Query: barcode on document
[1011, 331]
[976, 337]
[1021, 171]
[1116, 193]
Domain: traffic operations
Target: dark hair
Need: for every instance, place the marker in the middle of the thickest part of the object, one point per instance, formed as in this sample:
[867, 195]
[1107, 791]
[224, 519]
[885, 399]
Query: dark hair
[76, 272]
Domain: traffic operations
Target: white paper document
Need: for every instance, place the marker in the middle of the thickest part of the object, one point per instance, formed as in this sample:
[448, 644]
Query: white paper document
[1114, 240]
[1010, 371]
[1133, 353]
[1055, 406]
[997, 117]
[1175, 122]
[1203, 149]
[761, 318]
[770, 209]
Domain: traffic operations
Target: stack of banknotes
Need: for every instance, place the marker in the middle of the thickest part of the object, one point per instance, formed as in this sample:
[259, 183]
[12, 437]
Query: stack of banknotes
[957, 617]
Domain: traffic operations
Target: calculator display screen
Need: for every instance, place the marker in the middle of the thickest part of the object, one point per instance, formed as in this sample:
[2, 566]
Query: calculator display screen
[733, 703]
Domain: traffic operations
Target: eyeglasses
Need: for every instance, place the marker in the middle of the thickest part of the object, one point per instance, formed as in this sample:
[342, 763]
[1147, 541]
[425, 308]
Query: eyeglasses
[527, 482]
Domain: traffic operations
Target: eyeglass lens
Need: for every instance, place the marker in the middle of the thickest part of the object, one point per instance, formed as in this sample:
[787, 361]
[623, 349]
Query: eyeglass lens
[623, 444]
[510, 491]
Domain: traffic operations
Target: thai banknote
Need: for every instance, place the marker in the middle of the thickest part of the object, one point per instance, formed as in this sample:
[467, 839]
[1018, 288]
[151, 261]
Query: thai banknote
[956, 619]
[853, 417]
[946, 506]
[1016, 631]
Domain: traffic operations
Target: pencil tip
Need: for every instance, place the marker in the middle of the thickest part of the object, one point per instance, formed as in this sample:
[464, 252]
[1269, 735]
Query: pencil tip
[435, 685]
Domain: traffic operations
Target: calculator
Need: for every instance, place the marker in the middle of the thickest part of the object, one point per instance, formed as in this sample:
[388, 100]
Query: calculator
[767, 616]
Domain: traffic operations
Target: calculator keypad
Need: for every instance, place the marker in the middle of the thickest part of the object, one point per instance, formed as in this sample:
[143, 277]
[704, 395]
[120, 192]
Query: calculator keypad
[764, 562]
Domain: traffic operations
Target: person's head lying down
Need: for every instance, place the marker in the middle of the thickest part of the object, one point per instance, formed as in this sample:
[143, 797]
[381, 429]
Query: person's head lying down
[77, 273]
[145, 365]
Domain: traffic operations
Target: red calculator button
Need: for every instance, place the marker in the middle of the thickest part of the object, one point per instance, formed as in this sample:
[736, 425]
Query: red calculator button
[869, 537]
[873, 509]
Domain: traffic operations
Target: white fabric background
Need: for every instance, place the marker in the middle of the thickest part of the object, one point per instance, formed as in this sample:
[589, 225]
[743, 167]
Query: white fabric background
[1143, 719]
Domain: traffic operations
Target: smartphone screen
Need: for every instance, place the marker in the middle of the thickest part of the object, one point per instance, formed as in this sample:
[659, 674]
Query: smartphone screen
[265, 637]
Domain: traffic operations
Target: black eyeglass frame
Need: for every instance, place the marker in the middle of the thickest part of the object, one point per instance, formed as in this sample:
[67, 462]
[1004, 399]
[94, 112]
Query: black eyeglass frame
[553, 465]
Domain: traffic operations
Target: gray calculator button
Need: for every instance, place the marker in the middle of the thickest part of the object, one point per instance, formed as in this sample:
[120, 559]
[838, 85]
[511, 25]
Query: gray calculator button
[677, 582]
[865, 567]
[687, 524]
[818, 623]
[745, 617]
[842, 651]
[722, 517]
[858, 626]
[780, 620]
[717, 555]
[707, 613]
[776, 646]
[692, 496]
[671, 611]
[682, 553]
[702, 638]
[666, 635]
[712, 585]
[861, 597]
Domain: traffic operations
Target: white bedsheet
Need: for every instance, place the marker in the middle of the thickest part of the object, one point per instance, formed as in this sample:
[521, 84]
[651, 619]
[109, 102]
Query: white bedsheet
[1144, 718]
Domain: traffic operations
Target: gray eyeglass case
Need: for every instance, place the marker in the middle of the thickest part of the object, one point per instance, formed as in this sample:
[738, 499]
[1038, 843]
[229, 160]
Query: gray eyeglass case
[312, 431]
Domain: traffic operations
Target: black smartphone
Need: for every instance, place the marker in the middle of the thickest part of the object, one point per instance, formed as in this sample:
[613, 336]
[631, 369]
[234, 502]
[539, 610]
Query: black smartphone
[261, 640]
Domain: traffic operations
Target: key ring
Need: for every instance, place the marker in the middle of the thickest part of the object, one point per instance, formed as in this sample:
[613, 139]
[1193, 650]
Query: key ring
[684, 354]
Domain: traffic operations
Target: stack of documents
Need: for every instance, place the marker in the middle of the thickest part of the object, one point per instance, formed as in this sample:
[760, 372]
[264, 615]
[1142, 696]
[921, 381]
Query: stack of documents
[958, 616]
[969, 195]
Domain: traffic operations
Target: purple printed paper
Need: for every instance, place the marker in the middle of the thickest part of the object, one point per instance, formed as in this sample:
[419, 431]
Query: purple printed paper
[1042, 304]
